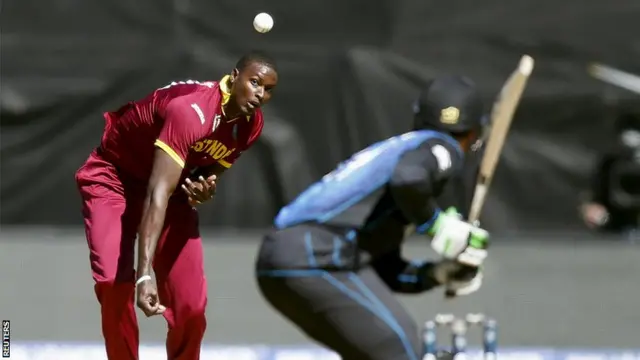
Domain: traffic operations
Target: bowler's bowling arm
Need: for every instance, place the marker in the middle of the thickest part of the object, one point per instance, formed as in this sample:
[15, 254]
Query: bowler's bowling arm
[165, 175]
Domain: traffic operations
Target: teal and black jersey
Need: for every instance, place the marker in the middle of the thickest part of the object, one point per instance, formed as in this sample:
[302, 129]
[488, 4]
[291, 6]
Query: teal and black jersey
[410, 168]
[357, 214]
[335, 256]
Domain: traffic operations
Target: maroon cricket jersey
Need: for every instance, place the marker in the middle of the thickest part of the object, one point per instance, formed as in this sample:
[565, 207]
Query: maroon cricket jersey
[184, 119]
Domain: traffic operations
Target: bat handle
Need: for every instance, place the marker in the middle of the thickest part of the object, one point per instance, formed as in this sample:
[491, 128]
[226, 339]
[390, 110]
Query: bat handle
[479, 195]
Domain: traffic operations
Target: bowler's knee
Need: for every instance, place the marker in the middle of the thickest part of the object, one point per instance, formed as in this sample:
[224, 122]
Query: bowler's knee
[114, 297]
[114, 287]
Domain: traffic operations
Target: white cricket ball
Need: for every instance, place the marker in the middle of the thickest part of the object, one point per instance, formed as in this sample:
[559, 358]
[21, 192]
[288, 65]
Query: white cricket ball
[263, 22]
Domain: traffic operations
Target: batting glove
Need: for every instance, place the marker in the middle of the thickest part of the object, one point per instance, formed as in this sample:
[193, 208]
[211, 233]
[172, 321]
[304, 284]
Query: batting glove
[455, 239]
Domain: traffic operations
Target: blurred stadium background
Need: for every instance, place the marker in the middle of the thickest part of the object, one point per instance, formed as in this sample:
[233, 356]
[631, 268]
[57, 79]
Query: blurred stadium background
[349, 71]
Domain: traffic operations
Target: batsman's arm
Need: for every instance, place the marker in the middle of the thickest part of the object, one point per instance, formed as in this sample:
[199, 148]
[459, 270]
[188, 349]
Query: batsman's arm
[163, 181]
[413, 184]
[405, 277]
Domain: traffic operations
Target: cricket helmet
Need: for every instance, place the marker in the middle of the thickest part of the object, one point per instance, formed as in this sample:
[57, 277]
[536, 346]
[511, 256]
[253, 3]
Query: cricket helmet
[450, 104]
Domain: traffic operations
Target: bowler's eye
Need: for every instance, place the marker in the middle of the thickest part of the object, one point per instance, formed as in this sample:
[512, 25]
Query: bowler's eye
[254, 82]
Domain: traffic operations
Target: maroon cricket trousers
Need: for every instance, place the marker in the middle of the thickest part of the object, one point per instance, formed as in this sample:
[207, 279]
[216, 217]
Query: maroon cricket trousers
[112, 208]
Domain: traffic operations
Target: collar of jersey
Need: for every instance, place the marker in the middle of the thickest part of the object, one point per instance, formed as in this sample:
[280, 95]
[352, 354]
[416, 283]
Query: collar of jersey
[226, 94]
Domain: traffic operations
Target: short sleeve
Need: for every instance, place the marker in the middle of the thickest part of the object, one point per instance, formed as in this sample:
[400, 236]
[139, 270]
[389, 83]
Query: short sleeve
[256, 131]
[181, 129]
[418, 179]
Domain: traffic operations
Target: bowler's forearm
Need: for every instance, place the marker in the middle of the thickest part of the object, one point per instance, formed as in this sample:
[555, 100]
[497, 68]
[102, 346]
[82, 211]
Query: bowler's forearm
[149, 232]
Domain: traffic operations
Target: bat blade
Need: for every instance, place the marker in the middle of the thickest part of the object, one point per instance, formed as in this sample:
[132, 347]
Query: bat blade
[501, 116]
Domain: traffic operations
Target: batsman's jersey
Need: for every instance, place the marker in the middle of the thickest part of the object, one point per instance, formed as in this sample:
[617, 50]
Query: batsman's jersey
[346, 196]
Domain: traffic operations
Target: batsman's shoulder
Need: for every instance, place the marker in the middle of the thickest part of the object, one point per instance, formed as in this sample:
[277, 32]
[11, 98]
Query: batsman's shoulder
[451, 145]
[447, 157]
[439, 160]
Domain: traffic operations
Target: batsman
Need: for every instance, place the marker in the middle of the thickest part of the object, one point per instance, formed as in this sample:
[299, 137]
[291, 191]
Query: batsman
[333, 261]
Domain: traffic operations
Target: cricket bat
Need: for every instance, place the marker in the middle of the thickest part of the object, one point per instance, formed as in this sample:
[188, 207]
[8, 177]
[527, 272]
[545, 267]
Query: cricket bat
[502, 113]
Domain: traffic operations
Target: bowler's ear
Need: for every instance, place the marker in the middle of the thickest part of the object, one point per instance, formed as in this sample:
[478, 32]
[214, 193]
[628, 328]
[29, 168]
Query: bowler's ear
[234, 75]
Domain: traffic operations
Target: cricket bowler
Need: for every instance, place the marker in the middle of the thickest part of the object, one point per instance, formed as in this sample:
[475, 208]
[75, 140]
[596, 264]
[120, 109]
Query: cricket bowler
[334, 259]
[129, 187]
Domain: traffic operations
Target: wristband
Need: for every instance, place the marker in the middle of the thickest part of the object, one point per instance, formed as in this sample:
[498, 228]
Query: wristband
[426, 226]
[142, 279]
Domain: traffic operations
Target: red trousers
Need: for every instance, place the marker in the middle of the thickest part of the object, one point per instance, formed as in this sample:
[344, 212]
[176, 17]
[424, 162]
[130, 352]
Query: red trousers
[112, 209]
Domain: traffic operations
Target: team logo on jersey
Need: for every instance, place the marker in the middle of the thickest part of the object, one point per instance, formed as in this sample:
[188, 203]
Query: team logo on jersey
[449, 115]
[216, 122]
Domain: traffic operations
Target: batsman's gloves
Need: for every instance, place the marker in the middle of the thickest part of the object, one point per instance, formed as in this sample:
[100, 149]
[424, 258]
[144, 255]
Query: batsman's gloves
[455, 239]
[459, 279]
[461, 287]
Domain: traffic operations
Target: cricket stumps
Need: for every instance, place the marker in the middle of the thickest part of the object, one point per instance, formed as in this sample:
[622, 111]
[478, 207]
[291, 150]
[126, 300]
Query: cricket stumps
[458, 328]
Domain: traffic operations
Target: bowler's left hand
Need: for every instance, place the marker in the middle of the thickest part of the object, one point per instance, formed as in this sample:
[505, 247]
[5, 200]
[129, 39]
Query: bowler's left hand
[201, 190]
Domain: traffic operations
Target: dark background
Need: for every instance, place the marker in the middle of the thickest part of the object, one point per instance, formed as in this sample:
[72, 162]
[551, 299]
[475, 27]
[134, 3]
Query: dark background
[349, 71]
